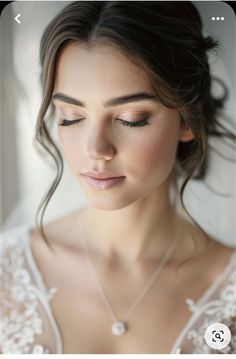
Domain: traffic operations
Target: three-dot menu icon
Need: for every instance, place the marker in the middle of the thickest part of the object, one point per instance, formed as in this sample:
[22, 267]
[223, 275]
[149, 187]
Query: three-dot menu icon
[217, 18]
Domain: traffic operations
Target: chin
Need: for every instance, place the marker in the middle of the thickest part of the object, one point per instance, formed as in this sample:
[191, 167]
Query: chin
[109, 203]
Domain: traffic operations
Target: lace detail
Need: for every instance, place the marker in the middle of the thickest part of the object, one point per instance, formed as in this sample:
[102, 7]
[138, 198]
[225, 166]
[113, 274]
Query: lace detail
[221, 310]
[21, 322]
[191, 305]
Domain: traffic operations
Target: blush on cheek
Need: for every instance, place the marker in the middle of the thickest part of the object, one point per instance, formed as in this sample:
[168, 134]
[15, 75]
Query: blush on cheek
[157, 153]
[68, 148]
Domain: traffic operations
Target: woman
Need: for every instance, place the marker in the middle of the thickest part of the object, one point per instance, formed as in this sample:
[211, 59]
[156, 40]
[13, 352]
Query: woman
[129, 273]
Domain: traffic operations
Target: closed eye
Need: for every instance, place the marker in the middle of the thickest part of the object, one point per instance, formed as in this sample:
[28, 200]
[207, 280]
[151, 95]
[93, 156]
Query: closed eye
[140, 123]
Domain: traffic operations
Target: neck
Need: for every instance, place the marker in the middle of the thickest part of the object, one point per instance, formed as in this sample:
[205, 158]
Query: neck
[143, 230]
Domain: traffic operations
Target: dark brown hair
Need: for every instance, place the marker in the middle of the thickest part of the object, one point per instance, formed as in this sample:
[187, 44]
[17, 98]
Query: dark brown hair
[166, 40]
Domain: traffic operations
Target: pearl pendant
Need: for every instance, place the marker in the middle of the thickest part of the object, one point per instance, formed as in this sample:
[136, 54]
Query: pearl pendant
[118, 328]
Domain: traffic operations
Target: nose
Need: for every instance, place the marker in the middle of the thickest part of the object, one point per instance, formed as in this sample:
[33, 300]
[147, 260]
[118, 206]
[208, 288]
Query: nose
[98, 144]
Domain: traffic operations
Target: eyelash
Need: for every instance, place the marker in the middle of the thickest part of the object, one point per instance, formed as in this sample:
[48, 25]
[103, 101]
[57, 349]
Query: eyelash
[141, 123]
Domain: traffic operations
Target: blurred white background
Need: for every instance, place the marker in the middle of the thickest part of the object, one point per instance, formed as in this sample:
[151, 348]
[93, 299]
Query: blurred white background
[25, 176]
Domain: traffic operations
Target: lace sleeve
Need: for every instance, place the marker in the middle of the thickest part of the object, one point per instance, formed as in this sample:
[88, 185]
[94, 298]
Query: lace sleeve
[219, 308]
[24, 327]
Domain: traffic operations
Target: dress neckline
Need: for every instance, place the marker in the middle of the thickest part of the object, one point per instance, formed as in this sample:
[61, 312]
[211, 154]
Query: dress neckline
[42, 285]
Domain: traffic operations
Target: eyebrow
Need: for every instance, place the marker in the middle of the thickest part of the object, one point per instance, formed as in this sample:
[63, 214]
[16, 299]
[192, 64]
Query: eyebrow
[134, 97]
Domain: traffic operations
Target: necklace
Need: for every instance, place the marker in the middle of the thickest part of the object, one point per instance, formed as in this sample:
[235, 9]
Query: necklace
[119, 327]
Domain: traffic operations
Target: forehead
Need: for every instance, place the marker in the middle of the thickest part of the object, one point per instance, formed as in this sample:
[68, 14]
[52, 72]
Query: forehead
[99, 71]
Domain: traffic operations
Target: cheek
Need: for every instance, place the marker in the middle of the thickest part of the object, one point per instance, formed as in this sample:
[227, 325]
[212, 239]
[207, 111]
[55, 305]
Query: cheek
[157, 152]
[69, 142]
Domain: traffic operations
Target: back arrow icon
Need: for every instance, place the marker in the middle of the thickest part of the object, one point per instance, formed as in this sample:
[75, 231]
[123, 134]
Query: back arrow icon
[16, 18]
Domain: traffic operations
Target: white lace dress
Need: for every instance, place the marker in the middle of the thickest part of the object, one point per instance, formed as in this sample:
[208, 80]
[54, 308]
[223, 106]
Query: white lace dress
[27, 323]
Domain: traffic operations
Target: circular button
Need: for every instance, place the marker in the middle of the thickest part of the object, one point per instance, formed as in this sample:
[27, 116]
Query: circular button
[217, 336]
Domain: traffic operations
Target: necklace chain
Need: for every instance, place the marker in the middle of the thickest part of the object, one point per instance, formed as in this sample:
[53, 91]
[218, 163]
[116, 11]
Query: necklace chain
[142, 293]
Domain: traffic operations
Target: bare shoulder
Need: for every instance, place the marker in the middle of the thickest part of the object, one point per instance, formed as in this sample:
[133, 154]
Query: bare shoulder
[208, 259]
[220, 250]
[216, 257]
[208, 250]
[61, 234]
[60, 257]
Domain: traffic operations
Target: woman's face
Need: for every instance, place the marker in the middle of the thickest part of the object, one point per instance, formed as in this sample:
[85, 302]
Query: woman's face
[101, 141]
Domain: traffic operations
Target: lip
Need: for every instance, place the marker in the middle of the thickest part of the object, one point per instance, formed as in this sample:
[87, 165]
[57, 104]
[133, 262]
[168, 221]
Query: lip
[103, 183]
[101, 175]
